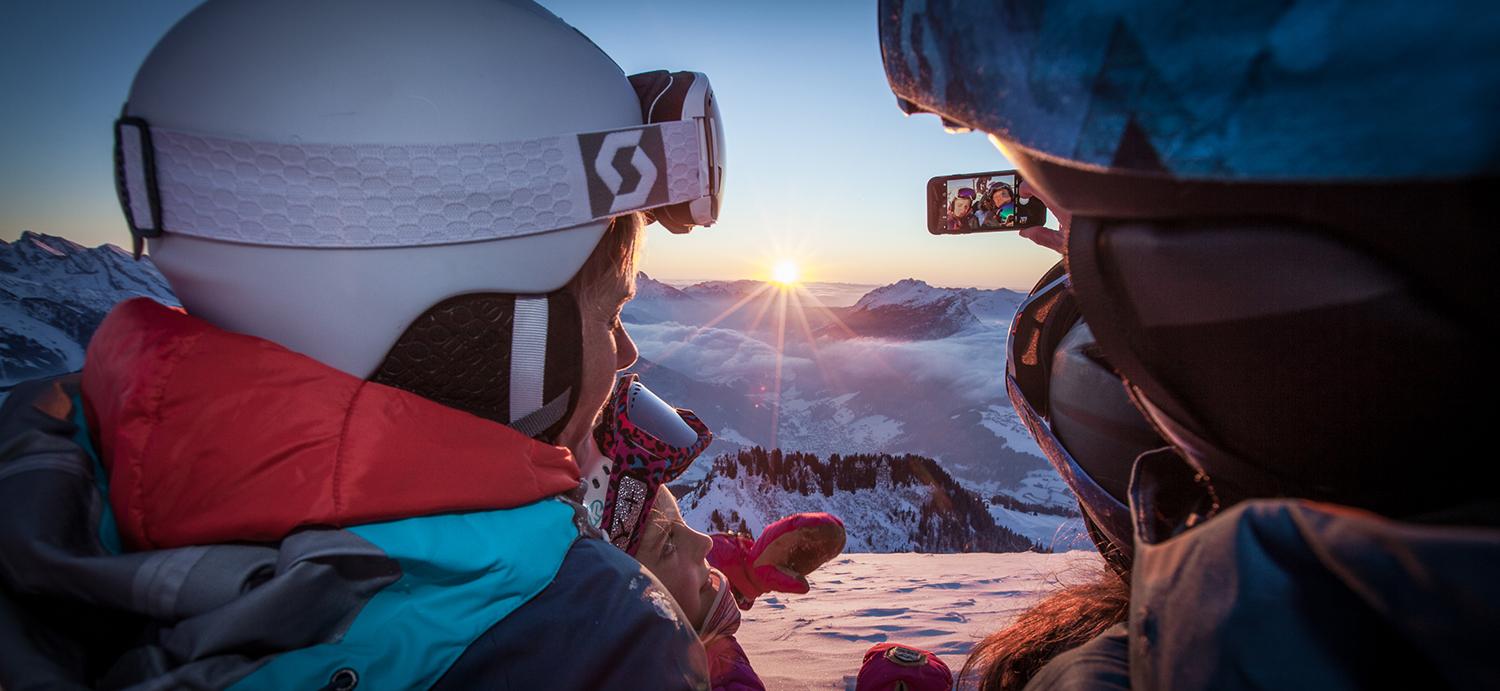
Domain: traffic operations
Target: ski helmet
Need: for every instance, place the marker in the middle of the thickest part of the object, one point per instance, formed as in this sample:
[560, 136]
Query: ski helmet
[324, 174]
[1253, 188]
[1076, 408]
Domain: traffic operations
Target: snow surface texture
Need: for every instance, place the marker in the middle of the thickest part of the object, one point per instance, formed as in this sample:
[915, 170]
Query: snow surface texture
[53, 294]
[944, 603]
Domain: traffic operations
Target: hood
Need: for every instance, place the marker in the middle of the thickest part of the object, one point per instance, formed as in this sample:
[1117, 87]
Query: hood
[1209, 93]
[208, 436]
[1282, 593]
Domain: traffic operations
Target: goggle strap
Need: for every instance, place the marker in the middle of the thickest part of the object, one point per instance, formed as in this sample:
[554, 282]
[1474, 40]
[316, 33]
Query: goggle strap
[135, 180]
[640, 464]
[631, 507]
[376, 195]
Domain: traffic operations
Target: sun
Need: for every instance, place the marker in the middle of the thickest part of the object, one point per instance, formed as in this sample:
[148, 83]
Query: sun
[785, 272]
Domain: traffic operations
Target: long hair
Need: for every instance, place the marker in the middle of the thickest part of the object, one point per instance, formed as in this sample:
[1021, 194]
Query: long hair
[1066, 619]
[613, 258]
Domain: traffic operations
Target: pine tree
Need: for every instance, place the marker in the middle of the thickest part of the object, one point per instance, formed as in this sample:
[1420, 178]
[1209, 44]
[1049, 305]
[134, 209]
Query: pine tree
[949, 518]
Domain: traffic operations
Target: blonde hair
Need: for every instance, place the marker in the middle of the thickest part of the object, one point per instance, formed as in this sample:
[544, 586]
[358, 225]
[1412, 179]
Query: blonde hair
[613, 258]
[658, 519]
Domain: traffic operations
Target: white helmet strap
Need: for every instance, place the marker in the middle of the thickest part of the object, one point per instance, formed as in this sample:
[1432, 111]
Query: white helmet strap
[514, 359]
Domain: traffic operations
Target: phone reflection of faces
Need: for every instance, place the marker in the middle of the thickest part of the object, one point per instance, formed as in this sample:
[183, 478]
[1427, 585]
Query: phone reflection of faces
[980, 201]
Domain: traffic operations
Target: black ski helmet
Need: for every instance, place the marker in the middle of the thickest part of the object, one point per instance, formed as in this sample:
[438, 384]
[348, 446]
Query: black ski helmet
[1282, 219]
[1078, 411]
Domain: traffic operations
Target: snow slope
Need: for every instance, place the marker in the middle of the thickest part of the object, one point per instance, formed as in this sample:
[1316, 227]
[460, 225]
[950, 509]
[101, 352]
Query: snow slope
[53, 294]
[31, 348]
[887, 504]
[939, 602]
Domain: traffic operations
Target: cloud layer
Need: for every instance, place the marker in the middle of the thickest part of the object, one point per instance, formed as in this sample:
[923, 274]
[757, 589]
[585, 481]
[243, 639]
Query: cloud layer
[971, 367]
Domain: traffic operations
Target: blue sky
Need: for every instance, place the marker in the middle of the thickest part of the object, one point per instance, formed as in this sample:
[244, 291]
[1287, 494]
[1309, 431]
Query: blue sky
[824, 169]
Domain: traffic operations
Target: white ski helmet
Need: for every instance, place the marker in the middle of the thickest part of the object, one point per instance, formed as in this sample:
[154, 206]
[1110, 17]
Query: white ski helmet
[319, 174]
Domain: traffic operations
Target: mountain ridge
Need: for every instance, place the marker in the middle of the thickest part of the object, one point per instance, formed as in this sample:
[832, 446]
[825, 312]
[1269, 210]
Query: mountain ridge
[888, 502]
[54, 293]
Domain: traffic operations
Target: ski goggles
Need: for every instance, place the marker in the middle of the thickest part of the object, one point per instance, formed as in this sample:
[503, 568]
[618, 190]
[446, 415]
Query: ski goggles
[301, 194]
[648, 443]
[1050, 310]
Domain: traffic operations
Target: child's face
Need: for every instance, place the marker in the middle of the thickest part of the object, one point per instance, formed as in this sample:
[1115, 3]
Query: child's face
[675, 555]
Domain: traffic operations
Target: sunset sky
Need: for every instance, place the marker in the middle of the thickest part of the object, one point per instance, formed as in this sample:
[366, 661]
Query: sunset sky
[824, 170]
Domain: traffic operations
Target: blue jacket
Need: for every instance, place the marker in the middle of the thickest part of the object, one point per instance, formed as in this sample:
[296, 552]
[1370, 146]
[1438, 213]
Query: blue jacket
[1288, 594]
[97, 590]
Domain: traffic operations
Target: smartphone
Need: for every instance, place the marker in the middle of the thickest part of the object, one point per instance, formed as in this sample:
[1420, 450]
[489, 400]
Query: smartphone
[981, 203]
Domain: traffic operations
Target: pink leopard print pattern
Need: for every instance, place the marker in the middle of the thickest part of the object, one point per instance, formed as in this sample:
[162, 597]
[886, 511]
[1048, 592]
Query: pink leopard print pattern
[638, 461]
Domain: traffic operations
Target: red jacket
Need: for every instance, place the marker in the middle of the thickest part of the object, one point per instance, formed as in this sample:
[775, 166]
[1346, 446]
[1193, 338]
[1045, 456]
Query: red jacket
[214, 448]
[209, 436]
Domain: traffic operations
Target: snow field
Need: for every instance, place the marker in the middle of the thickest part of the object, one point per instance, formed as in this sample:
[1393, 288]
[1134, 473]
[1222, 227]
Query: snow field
[944, 603]
[1057, 533]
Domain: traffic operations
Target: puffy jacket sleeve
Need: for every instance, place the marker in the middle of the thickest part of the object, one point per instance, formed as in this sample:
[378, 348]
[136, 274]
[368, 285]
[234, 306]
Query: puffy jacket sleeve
[603, 623]
[729, 667]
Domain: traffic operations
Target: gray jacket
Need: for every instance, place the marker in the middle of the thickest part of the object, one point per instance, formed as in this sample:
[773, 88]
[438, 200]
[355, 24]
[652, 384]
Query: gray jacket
[78, 611]
[1288, 594]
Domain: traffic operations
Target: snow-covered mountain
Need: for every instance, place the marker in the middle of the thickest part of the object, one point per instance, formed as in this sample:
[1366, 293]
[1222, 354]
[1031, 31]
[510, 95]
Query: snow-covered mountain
[53, 294]
[908, 310]
[907, 292]
[909, 368]
[658, 302]
[888, 503]
[723, 291]
[649, 290]
[913, 310]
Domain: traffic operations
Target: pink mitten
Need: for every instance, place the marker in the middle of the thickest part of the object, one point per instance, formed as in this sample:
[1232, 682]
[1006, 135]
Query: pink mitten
[780, 560]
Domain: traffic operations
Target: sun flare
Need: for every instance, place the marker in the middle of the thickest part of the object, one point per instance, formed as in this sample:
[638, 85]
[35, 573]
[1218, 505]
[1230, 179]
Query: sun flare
[785, 272]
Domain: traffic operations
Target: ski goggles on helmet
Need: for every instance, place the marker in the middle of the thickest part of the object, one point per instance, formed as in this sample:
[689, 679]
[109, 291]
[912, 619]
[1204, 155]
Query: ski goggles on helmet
[404, 195]
[648, 443]
[1040, 323]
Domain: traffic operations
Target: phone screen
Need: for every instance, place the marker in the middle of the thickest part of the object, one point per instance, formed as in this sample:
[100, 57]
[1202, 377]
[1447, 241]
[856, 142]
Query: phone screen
[981, 202]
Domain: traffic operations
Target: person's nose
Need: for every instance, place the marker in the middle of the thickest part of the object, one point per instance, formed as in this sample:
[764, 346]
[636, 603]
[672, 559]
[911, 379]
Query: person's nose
[702, 544]
[625, 351]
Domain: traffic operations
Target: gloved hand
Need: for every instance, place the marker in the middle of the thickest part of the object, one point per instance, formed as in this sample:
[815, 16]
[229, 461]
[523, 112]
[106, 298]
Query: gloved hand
[780, 560]
[896, 666]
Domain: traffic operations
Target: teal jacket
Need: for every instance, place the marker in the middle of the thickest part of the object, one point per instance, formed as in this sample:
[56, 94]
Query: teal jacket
[205, 510]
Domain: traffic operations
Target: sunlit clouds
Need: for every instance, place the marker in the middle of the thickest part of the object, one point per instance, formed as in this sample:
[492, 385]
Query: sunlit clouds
[775, 327]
